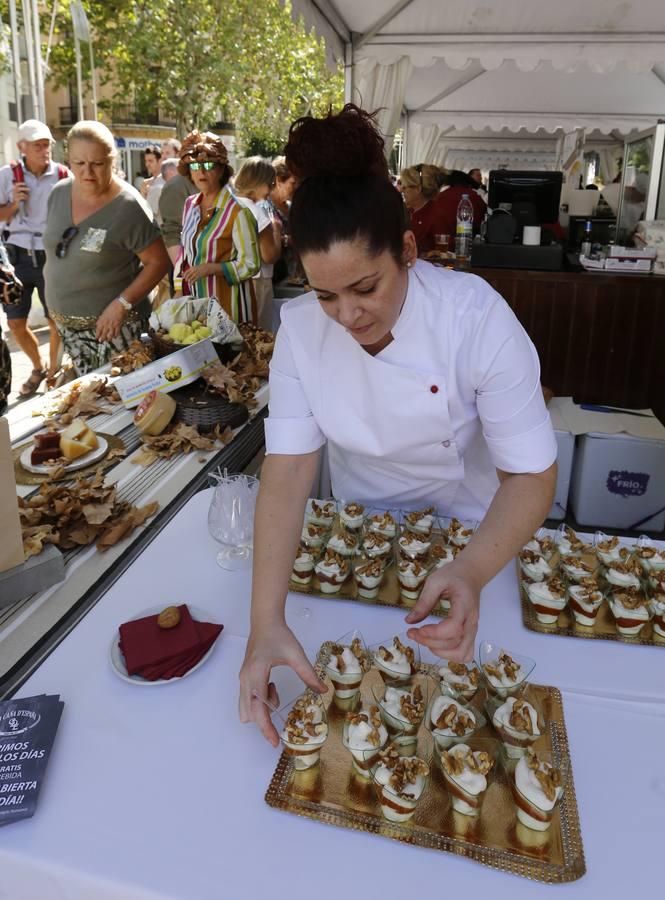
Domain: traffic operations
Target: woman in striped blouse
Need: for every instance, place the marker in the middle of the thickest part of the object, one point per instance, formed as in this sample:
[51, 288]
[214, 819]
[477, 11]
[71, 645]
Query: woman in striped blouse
[219, 251]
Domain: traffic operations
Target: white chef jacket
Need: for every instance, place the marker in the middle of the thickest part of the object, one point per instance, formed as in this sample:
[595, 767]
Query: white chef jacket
[430, 418]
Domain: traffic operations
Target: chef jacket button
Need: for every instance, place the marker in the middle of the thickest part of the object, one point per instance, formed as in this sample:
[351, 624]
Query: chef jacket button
[434, 389]
[446, 443]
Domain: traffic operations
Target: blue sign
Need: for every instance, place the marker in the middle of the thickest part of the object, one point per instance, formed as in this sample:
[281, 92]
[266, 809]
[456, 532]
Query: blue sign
[120, 143]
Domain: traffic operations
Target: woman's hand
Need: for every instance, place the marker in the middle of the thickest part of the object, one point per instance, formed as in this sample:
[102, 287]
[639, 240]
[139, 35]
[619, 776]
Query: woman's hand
[195, 272]
[276, 647]
[454, 637]
[110, 322]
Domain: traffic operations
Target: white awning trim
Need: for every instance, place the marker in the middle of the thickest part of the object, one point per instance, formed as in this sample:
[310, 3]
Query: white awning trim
[535, 121]
[461, 158]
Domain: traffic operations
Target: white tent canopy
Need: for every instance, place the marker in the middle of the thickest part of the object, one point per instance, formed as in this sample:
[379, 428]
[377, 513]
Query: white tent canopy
[507, 73]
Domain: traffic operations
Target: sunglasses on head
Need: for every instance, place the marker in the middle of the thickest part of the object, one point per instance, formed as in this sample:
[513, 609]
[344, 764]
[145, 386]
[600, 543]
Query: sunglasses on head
[68, 236]
[419, 170]
[207, 166]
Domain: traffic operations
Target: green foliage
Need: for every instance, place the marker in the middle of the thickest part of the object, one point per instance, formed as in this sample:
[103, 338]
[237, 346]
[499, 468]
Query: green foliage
[263, 145]
[198, 61]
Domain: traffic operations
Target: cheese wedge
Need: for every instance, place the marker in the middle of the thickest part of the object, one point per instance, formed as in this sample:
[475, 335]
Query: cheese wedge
[77, 439]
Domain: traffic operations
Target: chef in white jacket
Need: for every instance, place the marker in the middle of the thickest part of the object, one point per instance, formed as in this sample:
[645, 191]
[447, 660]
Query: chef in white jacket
[421, 382]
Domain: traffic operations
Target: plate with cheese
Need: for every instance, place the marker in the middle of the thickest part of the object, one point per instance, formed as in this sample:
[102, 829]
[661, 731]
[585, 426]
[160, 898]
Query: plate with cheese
[74, 448]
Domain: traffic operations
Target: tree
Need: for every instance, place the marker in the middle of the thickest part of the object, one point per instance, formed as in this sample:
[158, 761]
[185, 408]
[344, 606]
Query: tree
[202, 60]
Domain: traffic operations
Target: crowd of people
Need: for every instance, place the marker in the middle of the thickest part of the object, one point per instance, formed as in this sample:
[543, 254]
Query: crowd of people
[100, 252]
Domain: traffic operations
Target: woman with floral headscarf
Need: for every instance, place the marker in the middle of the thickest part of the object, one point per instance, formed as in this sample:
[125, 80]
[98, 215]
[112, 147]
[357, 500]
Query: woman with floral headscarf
[219, 242]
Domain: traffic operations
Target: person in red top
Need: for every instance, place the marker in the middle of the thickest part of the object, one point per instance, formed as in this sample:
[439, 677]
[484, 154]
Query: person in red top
[448, 199]
[420, 186]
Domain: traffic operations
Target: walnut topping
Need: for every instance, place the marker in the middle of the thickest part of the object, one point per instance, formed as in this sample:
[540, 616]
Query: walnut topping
[530, 556]
[330, 558]
[412, 566]
[300, 726]
[463, 671]
[405, 770]
[590, 584]
[520, 717]
[455, 761]
[354, 509]
[370, 717]
[456, 527]
[456, 720]
[627, 568]
[546, 545]
[647, 552]
[384, 654]
[548, 777]
[556, 587]
[630, 598]
[414, 517]
[384, 522]
[575, 543]
[412, 706]
[609, 545]
[350, 540]
[370, 569]
[355, 647]
[581, 564]
[375, 541]
[325, 510]
[507, 663]
[407, 651]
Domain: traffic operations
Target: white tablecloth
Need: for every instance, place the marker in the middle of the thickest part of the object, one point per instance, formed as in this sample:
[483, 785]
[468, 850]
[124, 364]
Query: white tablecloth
[159, 791]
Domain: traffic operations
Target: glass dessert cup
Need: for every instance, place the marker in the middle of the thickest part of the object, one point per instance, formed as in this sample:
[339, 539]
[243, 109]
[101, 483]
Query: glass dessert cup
[584, 601]
[460, 680]
[397, 660]
[568, 543]
[657, 610]
[351, 515]
[548, 599]
[314, 536]
[451, 722]
[302, 725]
[609, 549]
[534, 567]
[459, 532]
[368, 575]
[630, 609]
[321, 512]
[332, 571]
[402, 710]
[500, 680]
[383, 522]
[652, 558]
[375, 545]
[420, 522]
[412, 546]
[347, 663]
[411, 576]
[303, 565]
[577, 569]
[519, 721]
[441, 555]
[364, 739]
[542, 544]
[468, 771]
[400, 782]
[537, 796]
[619, 576]
[343, 543]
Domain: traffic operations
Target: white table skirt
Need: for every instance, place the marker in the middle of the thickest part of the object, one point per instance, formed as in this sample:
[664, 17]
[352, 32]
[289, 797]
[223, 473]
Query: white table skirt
[159, 791]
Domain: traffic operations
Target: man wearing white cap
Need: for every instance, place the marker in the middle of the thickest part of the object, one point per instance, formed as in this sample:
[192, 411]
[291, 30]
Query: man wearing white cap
[24, 191]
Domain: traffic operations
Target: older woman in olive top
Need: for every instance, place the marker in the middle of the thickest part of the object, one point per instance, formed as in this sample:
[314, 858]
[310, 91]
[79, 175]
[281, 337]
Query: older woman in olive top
[104, 253]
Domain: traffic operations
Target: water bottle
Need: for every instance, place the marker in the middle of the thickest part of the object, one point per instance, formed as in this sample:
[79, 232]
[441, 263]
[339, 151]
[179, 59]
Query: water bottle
[585, 248]
[464, 231]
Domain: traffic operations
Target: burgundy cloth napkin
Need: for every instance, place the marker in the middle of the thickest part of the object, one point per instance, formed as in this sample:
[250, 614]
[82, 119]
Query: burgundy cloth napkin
[153, 652]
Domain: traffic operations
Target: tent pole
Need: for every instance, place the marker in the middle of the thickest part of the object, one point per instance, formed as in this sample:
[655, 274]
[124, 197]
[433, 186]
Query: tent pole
[348, 72]
[16, 55]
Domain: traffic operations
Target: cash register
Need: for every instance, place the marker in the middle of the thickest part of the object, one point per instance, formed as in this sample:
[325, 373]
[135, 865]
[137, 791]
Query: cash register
[518, 199]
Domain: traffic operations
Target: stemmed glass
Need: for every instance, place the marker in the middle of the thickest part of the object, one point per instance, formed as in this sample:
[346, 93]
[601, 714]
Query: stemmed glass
[231, 519]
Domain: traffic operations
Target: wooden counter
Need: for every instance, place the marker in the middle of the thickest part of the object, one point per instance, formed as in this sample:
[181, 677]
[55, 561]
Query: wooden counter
[601, 338]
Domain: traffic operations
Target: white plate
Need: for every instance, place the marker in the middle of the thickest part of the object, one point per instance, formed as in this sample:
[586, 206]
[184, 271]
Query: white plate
[118, 660]
[80, 463]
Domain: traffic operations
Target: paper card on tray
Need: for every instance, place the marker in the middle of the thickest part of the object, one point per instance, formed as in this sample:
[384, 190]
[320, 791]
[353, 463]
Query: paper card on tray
[11, 545]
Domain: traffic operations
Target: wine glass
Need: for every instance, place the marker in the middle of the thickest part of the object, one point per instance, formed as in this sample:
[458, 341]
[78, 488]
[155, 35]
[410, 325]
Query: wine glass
[231, 520]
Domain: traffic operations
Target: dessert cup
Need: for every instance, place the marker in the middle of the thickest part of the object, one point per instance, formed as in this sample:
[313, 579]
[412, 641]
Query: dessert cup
[332, 571]
[467, 772]
[303, 729]
[534, 567]
[542, 544]
[314, 536]
[609, 550]
[459, 680]
[376, 546]
[451, 722]
[568, 543]
[441, 555]
[630, 609]
[459, 533]
[652, 558]
[321, 512]
[368, 575]
[577, 569]
[519, 722]
[657, 610]
[364, 735]
[413, 546]
[303, 565]
[402, 709]
[657, 581]
[397, 660]
[505, 673]
[352, 516]
[584, 601]
[537, 784]
[624, 575]
[411, 575]
[419, 522]
[400, 782]
[346, 664]
[343, 543]
[383, 522]
[548, 598]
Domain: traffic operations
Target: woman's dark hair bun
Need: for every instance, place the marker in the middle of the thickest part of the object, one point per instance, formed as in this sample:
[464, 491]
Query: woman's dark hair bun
[344, 144]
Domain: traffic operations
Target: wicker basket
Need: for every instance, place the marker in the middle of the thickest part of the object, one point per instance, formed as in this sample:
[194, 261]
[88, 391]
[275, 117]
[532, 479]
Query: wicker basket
[225, 352]
[197, 406]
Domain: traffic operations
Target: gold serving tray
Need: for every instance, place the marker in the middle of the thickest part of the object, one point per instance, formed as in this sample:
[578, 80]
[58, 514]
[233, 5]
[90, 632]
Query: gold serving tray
[604, 628]
[331, 793]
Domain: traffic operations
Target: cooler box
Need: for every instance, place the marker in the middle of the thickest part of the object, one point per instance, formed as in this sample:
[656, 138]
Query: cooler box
[619, 481]
[566, 444]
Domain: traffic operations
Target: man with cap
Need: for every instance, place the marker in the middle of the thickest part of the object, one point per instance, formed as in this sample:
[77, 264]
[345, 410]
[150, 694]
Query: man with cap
[25, 186]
